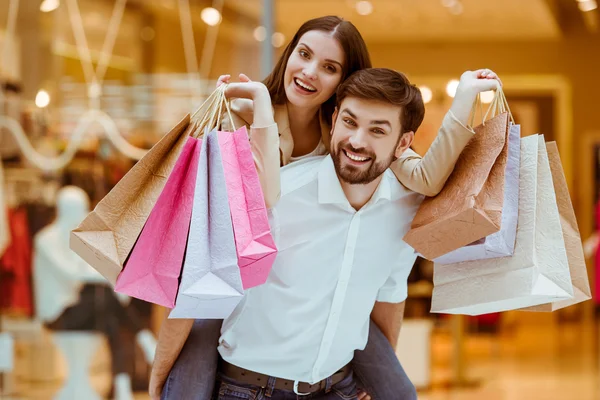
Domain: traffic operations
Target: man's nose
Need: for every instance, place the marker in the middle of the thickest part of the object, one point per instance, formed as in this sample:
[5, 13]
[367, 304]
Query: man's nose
[358, 139]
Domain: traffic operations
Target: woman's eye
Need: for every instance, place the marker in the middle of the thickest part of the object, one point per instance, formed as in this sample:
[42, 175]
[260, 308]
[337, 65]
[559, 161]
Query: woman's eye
[330, 68]
[349, 121]
[303, 53]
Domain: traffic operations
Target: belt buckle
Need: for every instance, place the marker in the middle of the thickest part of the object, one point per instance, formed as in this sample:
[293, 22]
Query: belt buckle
[296, 390]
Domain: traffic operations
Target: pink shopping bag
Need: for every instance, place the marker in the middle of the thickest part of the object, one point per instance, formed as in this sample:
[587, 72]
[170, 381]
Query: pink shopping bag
[255, 246]
[152, 271]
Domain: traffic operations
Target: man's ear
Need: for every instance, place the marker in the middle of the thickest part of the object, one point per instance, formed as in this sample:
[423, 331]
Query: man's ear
[405, 142]
[333, 119]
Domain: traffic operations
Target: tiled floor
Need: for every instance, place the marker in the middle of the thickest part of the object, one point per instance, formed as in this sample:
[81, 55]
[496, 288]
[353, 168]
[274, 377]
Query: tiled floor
[532, 360]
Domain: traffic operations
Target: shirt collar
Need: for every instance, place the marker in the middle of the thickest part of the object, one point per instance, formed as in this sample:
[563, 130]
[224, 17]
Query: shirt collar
[331, 192]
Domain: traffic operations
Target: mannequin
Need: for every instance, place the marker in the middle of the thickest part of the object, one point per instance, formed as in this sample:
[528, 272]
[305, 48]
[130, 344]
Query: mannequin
[72, 296]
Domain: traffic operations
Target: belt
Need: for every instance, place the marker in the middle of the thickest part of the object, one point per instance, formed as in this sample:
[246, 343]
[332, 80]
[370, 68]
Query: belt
[254, 378]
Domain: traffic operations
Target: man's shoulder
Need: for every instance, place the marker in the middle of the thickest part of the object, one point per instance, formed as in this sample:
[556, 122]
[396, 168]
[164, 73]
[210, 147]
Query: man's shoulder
[300, 173]
[399, 192]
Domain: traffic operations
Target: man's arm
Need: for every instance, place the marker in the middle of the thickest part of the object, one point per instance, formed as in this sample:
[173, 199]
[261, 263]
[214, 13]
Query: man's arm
[171, 338]
[388, 317]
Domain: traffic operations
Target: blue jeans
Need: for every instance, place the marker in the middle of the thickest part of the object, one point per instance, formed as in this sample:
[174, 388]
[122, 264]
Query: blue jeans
[376, 368]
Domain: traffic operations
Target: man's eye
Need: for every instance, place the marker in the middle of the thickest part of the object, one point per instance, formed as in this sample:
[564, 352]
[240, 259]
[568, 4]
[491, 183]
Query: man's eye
[349, 121]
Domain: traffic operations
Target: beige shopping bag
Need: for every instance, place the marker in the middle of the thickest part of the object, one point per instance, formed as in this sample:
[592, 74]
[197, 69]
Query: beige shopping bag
[469, 207]
[570, 230]
[107, 235]
[537, 273]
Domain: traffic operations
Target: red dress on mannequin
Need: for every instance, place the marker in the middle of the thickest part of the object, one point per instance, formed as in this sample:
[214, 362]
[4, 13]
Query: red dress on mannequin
[15, 267]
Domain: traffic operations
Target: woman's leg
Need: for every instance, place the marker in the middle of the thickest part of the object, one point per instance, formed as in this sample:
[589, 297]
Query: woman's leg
[378, 370]
[194, 373]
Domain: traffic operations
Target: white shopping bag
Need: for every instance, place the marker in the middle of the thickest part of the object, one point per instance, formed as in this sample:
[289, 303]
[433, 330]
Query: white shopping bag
[211, 284]
[538, 271]
[570, 230]
[501, 243]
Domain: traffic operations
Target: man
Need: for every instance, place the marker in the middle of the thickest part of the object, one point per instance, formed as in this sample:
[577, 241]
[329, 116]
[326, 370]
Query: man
[298, 332]
[339, 228]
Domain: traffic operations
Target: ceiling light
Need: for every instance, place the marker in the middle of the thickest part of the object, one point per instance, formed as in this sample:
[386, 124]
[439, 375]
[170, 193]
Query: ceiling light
[364, 7]
[487, 97]
[49, 5]
[456, 9]
[278, 39]
[426, 93]
[211, 16]
[42, 99]
[260, 33]
[451, 87]
[587, 5]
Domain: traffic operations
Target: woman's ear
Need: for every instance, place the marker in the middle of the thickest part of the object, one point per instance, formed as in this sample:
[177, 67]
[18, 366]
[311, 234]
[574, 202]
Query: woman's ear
[404, 143]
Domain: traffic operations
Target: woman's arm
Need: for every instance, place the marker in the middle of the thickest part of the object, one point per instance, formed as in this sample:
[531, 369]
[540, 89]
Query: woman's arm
[264, 137]
[171, 338]
[428, 175]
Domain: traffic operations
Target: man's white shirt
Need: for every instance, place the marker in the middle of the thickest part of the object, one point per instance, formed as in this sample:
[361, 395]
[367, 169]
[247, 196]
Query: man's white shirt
[333, 263]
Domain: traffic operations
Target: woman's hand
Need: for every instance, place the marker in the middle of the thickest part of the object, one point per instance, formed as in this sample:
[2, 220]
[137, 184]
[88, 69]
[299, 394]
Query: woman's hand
[478, 81]
[471, 84]
[255, 91]
[225, 79]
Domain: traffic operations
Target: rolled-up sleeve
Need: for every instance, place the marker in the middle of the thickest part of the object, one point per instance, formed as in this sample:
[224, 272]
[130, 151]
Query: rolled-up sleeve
[395, 289]
[428, 174]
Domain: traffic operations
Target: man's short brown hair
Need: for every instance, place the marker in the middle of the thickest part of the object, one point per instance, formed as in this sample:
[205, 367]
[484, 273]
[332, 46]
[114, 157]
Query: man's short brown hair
[386, 85]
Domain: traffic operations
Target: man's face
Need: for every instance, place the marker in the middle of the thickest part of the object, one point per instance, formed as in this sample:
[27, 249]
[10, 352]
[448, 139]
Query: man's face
[366, 139]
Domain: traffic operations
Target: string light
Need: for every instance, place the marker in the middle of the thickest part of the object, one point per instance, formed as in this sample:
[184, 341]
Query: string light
[451, 88]
[42, 99]
[211, 16]
[278, 39]
[487, 97]
[49, 5]
[260, 33]
[426, 93]
[364, 7]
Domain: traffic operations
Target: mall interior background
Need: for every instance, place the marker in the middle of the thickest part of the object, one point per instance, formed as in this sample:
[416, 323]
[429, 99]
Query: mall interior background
[547, 53]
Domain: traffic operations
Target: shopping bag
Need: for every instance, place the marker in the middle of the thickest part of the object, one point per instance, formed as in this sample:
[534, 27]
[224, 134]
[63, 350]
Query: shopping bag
[501, 243]
[152, 271]
[255, 246]
[211, 284]
[106, 236]
[570, 230]
[469, 207]
[538, 271]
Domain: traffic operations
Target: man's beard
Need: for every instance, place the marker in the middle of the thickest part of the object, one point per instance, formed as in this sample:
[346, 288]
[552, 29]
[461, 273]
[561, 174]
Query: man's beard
[359, 175]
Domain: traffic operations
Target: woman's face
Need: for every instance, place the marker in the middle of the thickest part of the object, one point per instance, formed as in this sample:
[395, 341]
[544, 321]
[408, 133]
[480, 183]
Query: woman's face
[314, 70]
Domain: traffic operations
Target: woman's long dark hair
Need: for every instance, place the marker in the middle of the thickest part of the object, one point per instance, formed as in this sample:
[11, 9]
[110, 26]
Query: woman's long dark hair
[355, 52]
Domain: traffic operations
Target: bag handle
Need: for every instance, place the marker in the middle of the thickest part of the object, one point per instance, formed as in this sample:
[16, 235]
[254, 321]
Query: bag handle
[498, 106]
[213, 112]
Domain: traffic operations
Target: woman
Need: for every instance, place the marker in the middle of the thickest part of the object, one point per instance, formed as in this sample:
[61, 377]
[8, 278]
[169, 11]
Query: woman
[302, 87]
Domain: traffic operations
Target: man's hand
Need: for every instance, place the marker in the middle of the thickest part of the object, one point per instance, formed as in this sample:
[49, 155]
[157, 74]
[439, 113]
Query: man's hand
[471, 84]
[362, 395]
